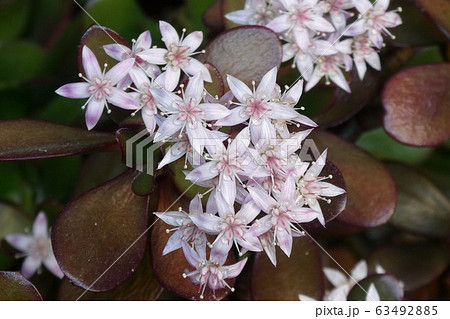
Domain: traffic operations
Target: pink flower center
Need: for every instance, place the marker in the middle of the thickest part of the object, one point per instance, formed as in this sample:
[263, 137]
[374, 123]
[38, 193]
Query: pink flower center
[188, 112]
[148, 99]
[300, 16]
[40, 248]
[177, 55]
[231, 227]
[228, 164]
[100, 88]
[256, 107]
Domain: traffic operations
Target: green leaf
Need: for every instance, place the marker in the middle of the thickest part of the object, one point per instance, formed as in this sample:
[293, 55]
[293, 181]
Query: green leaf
[99, 238]
[415, 264]
[384, 147]
[15, 63]
[15, 287]
[388, 288]
[418, 114]
[371, 193]
[13, 18]
[301, 273]
[24, 139]
[421, 208]
[12, 220]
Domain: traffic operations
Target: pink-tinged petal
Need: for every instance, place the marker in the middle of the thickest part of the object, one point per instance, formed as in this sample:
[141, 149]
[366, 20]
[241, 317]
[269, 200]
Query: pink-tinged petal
[168, 128]
[250, 243]
[248, 212]
[165, 99]
[336, 277]
[195, 89]
[262, 199]
[173, 243]
[288, 191]
[372, 293]
[40, 226]
[125, 82]
[315, 78]
[144, 41]
[196, 67]
[362, 5]
[154, 56]
[211, 204]
[356, 28]
[391, 20]
[169, 34]
[330, 190]
[280, 23]
[174, 218]
[344, 46]
[316, 168]
[233, 271]
[90, 64]
[292, 96]
[172, 78]
[260, 227]
[203, 172]
[360, 270]
[149, 120]
[304, 215]
[191, 255]
[227, 189]
[123, 100]
[240, 16]
[241, 142]
[302, 38]
[51, 264]
[93, 113]
[338, 294]
[281, 112]
[305, 298]
[222, 245]
[361, 67]
[338, 78]
[77, 90]
[195, 206]
[314, 205]
[284, 239]
[268, 246]
[119, 71]
[193, 40]
[213, 111]
[373, 60]
[382, 5]
[19, 241]
[319, 24]
[236, 116]
[139, 77]
[240, 89]
[117, 51]
[288, 52]
[267, 83]
[262, 130]
[376, 38]
[338, 19]
[305, 66]
[172, 154]
[30, 266]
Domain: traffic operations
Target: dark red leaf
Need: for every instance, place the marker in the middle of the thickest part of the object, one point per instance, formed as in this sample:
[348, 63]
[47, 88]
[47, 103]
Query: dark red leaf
[299, 274]
[439, 11]
[24, 139]
[388, 288]
[99, 238]
[15, 287]
[371, 193]
[417, 105]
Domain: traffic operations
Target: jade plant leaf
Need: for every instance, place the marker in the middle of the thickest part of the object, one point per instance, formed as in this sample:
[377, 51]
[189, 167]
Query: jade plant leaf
[417, 105]
[439, 11]
[24, 139]
[299, 274]
[388, 288]
[415, 264]
[142, 285]
[168, 269]
[15, 287]
[99, 238]
[421, 208]
[249, 62]
[95, 38]
[371, 193]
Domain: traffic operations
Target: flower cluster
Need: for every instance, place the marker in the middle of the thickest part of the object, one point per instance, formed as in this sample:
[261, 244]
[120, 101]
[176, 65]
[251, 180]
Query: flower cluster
[241, 148]
[324, 37]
